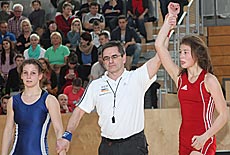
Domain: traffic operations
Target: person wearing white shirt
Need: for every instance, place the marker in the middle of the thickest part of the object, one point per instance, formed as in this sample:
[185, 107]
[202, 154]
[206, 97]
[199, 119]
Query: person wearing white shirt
[119, 100]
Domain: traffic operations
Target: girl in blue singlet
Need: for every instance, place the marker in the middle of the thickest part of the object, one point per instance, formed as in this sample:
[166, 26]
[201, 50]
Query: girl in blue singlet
[29, 113]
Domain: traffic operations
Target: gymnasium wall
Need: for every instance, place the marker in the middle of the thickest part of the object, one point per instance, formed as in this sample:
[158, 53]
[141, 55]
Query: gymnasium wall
[161, 128]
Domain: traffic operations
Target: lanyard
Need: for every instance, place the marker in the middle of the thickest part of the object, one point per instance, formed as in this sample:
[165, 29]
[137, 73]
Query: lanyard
[114, 98]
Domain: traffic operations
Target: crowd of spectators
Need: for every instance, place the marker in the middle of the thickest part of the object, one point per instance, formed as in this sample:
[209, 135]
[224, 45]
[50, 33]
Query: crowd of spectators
[68, 46]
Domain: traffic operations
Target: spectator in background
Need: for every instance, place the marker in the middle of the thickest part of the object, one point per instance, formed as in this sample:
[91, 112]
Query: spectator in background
[87, 55]
[5, 13]
[137, 11]
[57, 54]
[23, 41]
[98, 69]
[74, 92]
[131, 41]
[4, 101]
[84, 9]
[35, 51]
[75, 5]
[45, 39]
[49, 80]
[93, 15]
[7, 58]
[69, 71]
[14, 22]
[111, 10]
[63, 101]
[74, 35]
[14, 83]
[95, 33]
[5, 34]
[37, 17]
[65, 19]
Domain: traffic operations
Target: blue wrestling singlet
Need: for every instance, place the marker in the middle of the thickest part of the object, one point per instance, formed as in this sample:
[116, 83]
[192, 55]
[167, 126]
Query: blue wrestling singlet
[32, 124]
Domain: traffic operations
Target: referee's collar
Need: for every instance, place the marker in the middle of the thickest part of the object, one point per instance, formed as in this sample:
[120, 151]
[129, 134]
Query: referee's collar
[123, 76]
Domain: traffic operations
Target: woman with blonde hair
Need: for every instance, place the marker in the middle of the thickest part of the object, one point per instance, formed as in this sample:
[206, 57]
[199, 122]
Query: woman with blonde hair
[74, 35]
[57, 54]
[23, 41]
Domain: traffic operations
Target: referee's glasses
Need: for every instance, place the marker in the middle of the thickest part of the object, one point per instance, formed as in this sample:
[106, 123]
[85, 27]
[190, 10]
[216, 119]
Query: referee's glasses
[113, 57]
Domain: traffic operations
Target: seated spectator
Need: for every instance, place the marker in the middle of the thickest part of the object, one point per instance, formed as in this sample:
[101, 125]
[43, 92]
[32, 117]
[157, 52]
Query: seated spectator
[5, 34]
[69, 72]
[14, 84]
[5, 14]
[137, 11]
[4, 101]
[65, 19]
[45, 40]
[89, 18]
[75, 5]
[7, 58]
[84, 9]
[87, 55]
[37, 17]
[39, 31]
[131, 40]
[35, 51]
[49, 80]
[63, 101]
[98, 69]
[151, 98]
[74, 34]
[111, 10]
[23, 41]
[15, 21]
[74, 92]
[95, 33]
[57, 54]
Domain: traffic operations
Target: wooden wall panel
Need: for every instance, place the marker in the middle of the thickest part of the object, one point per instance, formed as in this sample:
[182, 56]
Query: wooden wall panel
[222, 70]
[218, 40]
[223, 60]
[219, 50]
[218, 30]
[161, 128]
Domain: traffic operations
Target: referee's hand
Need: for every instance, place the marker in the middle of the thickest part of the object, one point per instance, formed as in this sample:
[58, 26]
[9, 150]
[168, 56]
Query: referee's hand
[62, 144]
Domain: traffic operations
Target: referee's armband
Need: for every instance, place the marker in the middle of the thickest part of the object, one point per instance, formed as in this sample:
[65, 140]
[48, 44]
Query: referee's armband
[67, 135]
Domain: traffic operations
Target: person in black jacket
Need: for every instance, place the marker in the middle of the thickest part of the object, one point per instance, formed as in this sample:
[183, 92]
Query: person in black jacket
[69, 72]
[130, 39]
[87, 55]
[14, 83]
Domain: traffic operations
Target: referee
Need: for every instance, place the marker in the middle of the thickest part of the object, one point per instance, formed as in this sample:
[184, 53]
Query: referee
[119, 99]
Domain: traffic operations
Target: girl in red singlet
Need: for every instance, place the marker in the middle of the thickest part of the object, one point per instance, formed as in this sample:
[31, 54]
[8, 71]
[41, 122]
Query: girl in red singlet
[199, 91]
